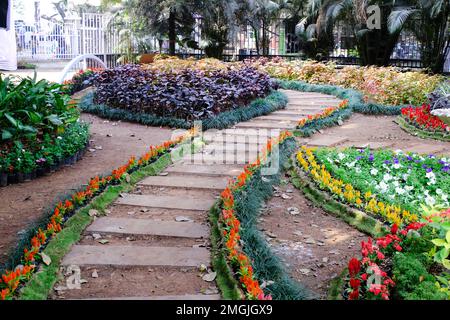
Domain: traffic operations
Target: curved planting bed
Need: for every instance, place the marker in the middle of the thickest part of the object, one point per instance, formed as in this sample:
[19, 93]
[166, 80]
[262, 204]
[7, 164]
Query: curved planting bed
[217, 94]
[247, 267]
[40, 129]
[63, 225]
[408, 256]
[419, 121]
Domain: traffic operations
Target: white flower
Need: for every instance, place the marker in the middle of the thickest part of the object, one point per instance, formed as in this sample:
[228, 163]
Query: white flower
[444, 197]
[396, 184]
[400, 190]
[398, 151]
[405, 176]
[358, 170]
[374, 172]
[341, 156]
[438, 191]
[430, 201]
[383, 187]
[430, 175]
[351, 164]
[409, 188]
[397, 166]
[387, 177]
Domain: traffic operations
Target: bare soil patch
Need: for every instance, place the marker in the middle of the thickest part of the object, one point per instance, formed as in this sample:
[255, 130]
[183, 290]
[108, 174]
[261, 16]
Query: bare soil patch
[382, 131]
[313, 245]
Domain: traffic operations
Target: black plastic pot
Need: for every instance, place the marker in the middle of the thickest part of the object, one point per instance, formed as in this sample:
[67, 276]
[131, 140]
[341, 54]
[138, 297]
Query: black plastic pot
[12, 178]
[33, 175]
[40, 172]
[20, 177]
[27, 176]
[3, 179]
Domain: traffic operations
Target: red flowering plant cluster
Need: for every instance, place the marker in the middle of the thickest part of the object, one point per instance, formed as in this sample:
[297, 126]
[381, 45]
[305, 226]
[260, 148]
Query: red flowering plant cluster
[10, 280]
[230, 224]
[368, 279]
[421, 117]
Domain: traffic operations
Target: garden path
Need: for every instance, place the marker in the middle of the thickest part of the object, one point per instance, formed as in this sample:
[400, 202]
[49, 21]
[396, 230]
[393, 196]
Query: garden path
[154, 242]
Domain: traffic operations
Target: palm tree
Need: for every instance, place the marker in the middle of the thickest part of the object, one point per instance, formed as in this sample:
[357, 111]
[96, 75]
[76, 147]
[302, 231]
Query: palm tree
[259, 15]
[218, 21]
[375, 46]
[429, 21]
[162, 18]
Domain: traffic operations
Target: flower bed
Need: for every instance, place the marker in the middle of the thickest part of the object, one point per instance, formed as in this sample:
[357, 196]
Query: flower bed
[39, 129]
[404, 179]
[329, 117]
[80, 81]
[383, 85]
[188, 94]
[32, 254]
[403, 264]
[245, 248]
[422, 118]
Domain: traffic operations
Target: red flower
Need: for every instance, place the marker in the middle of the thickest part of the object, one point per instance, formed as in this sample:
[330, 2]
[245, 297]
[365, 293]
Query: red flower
[355, 283]
[354, 295]
[354, 266]
[394, 228]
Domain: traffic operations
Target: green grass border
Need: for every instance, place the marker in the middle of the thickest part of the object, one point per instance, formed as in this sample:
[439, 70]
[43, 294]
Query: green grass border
[261, 106]
[315, 125]
[266, 265]
[355, 218]
[415, 131]
[42, 282]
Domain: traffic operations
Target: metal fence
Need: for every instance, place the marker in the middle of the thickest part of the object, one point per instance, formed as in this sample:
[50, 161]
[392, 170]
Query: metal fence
[98, 34]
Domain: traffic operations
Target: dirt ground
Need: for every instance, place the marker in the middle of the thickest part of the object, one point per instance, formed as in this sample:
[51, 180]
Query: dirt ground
[21, 204]
[313, 245]
[383, 132]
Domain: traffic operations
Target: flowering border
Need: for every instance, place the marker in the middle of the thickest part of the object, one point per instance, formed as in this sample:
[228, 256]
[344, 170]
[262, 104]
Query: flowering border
[347, 193]
[32, 255]
[229, 224]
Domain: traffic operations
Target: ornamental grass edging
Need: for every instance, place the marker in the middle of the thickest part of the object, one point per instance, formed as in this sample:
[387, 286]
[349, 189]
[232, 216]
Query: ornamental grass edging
[248, 255]
[261, 106]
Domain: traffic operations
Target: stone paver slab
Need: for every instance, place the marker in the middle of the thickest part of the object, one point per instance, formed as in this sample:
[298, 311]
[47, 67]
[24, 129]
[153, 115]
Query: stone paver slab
[234, 147]
[167, 202]
[83, 255]
[327, 141]
[149, 227]
[206, 170]
[179, 181]
[265, 124]
[282, 117]
[226, 158]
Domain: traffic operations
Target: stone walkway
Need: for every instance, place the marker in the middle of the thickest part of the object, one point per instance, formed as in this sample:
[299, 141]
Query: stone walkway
[154, 242]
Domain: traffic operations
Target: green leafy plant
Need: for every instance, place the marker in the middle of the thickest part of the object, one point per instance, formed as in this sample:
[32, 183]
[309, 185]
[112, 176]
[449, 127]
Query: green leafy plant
[441, 256]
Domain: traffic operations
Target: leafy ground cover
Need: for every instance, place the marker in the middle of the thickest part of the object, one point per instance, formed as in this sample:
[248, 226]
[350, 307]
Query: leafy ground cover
[184, 93]
[81, 80]
[384, 85]
[39, 129]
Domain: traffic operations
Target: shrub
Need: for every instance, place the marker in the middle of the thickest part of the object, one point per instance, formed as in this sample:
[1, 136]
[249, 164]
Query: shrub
[81, 80]
[385, 85]
[187, 93]
[440, 98]
[29, 109]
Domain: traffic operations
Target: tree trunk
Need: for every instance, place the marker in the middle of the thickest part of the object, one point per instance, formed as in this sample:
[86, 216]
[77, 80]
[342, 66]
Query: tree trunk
[172, 32]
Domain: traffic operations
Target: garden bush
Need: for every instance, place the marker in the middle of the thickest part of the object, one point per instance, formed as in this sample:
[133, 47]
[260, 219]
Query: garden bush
[39, 129]
[384, 85]
[186, 93]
